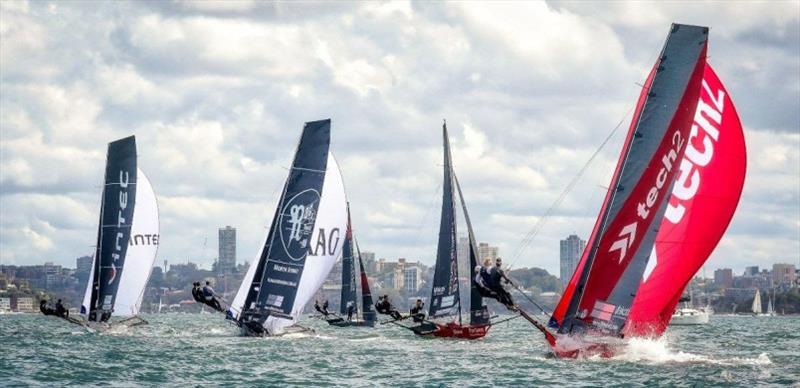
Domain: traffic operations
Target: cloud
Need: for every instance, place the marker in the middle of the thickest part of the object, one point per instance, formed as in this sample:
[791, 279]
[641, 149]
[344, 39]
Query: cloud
[217, 92]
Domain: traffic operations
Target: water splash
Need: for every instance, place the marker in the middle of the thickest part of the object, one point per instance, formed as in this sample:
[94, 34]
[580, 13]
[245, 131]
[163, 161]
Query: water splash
[657, 351]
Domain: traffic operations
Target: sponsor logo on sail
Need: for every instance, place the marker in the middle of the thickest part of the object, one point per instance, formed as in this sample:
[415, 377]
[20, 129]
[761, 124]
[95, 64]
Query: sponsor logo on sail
[297, 223]
[124, 180]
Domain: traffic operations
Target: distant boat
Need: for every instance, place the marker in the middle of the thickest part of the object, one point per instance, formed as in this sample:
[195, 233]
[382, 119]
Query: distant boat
[756, 307]
[302, 244]
[127, 242]
[687, 315]
[349, 294]
[770, 307]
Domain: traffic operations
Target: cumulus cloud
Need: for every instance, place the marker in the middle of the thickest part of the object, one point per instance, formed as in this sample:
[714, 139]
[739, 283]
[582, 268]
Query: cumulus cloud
[217, 91]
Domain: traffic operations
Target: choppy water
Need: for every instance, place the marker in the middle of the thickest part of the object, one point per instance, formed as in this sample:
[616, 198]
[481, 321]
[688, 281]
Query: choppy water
[195, 350]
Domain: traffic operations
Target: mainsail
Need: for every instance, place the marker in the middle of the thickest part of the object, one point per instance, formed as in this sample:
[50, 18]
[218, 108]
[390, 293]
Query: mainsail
[599, 295]
[445, 299]
[302, 243]
[756, 307]
[707, 190]
[114, 232]
[478, 312]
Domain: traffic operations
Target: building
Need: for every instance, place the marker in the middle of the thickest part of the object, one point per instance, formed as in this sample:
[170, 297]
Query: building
[227, 250]
[412, 279]
[571, 251]
[83, 265]
[751, 271]
[485, 251]
[24, 304]
[5, 304]
[723, 277]
[369, 261]
[784, 273]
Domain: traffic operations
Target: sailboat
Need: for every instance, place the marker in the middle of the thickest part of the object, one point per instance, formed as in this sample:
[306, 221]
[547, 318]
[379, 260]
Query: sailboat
[770, 307]
[596, 307]
[688, 315]
[756, 306]
[127, 242]
[349, 294]
[445, 310]
[302, 244]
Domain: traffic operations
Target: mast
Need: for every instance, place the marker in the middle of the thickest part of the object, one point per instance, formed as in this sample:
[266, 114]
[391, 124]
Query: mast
[113, 234]
[445, 299]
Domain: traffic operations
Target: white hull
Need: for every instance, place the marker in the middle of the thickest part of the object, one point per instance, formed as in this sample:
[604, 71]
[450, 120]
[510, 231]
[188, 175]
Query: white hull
[686, 317]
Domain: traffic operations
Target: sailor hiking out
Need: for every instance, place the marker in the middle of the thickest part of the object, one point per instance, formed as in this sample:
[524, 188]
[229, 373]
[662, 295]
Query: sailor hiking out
[418, 311]
[210, 299]
[383, 306]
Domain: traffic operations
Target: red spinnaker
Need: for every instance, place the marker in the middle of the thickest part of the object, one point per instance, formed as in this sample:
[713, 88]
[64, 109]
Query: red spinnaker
[703, 200]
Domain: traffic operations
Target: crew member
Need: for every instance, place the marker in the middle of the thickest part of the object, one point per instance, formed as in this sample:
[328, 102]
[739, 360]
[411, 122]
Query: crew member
[351, 309]
[44, 309]
[208, 293]
[60, 310]
[417, 312]
[483, 279]
[385, 307]
[497, 277]
[197, 293]
[318, 308]
[325, 307]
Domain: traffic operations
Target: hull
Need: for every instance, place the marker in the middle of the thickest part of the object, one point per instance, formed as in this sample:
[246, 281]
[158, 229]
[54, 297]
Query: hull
[684, 317]
[247, 331]
[340, 322]
[454, 330]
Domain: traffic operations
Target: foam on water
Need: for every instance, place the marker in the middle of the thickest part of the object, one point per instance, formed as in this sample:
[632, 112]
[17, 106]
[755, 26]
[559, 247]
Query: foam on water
[657, 351]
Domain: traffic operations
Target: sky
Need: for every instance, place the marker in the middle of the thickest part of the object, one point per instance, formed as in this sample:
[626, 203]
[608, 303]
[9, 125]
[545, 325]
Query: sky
[217, 93]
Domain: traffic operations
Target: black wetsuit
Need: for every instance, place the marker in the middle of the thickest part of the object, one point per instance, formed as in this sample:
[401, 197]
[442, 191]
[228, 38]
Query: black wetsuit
[384, 307]
[319, 309]
[418, 313]
[61, 311]
[496, 286]
[46, 310]
[350, 310]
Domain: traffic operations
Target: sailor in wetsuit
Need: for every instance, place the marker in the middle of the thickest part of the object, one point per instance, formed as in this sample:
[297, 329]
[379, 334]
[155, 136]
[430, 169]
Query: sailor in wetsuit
[44, 309]
[197, 293]
[384, 307]
[325, 308]
[317, 307]
[418, 312]
[60, 310]
[351, 309]
[208, 294]
[483, 278]
[496, 279]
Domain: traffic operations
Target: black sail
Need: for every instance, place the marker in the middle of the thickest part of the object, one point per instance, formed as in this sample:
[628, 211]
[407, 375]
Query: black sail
[445, 300]
[349, 291]
[113, 235]
[478, 313]
[283, 258]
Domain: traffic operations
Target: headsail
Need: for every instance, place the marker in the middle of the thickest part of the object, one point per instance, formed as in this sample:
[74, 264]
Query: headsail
[114, 231]
[445, 300]
[367, 305]
[142, 250]
[600, 293]
[478, 312]
[703, 201]
[349, 291]
[304, 238]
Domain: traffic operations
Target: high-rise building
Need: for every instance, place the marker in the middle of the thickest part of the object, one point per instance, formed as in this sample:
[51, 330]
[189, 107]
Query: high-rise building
[571, 251]
[412, 279]
[784, 273]
[723, 277]
[227, 250]
[83, 265]
[485, 251]
[751, 271]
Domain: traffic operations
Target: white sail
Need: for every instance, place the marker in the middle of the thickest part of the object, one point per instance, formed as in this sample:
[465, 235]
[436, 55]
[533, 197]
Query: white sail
[757, 303]
[142, 250]
[87, 293]
[331, 226]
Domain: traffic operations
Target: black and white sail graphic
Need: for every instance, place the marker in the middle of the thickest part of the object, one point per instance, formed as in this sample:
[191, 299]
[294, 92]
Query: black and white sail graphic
[445, 299]
[302, 244]
[114, 232]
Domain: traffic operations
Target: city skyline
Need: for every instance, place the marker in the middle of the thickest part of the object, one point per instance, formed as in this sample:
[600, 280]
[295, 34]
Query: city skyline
[216, 120]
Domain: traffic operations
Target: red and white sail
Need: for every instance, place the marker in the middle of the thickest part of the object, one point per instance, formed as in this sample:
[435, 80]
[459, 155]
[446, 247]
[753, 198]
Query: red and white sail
[704, 198]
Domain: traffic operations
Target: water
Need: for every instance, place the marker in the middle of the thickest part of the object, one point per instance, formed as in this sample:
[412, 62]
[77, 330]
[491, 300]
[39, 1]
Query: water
[203, 350]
